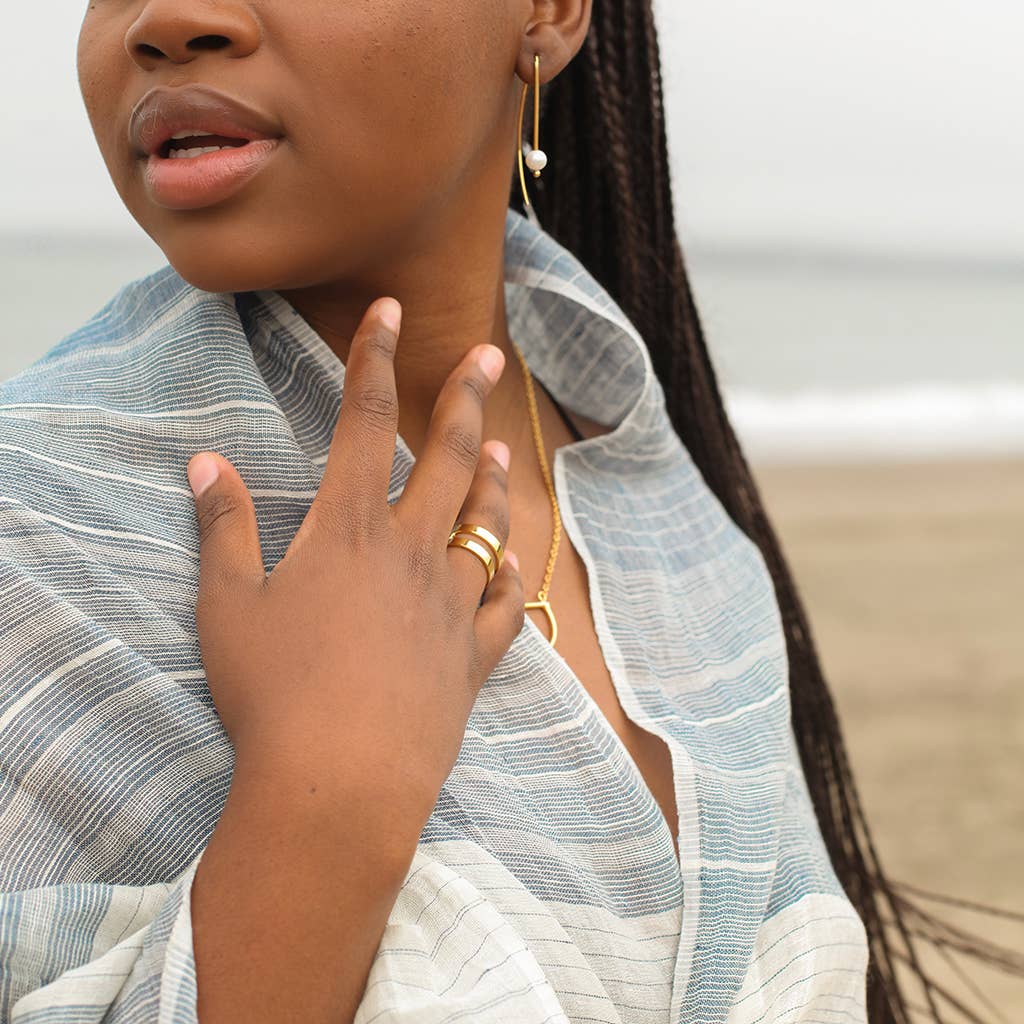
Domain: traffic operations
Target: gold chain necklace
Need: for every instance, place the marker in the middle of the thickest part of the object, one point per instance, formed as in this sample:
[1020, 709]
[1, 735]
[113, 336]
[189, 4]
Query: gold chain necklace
[542, 601]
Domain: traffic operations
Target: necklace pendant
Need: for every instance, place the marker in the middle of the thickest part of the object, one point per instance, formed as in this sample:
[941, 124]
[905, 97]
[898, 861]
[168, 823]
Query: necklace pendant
[545, 606]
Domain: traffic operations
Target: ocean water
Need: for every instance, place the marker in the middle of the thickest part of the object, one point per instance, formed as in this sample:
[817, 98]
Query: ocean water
[818, 357]
[829, 358]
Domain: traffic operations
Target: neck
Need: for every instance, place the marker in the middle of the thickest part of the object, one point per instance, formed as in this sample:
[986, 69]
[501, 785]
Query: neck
[449, 278]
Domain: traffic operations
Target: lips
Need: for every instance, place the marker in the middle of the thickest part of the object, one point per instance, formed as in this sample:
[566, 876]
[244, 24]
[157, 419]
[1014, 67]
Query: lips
[200, 145]
[165, 111]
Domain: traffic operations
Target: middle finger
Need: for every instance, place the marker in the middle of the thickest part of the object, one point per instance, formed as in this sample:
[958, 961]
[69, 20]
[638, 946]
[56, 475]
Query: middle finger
[437, 485]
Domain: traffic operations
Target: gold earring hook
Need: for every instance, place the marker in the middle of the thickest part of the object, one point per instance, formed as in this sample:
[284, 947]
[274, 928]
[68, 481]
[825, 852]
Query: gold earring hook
[536, 106]
[537, 159]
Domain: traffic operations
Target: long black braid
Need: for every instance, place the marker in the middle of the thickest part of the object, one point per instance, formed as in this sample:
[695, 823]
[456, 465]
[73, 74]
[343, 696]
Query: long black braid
[606, 195]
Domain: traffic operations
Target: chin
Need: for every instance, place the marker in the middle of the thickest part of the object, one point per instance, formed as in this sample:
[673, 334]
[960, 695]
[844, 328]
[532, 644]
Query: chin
[215, 263]
[209, 274]
[228, 247]
[236, 247]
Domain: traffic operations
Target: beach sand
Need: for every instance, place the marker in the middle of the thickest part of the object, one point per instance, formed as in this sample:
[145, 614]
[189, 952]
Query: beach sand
[913, 578]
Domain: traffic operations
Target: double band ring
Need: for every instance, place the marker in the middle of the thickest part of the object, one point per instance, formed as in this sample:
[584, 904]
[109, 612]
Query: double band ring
[484, 544]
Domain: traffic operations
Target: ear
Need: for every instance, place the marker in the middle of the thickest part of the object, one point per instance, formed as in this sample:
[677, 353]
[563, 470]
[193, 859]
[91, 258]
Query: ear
[556, 30]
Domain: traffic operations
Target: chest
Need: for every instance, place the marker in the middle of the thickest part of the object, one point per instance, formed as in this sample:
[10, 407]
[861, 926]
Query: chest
[578, 644]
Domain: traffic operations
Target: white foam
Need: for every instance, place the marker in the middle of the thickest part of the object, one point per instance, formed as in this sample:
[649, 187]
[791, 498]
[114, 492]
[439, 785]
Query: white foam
[925, 419]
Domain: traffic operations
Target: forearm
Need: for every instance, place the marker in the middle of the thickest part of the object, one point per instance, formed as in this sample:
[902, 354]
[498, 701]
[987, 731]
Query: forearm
[291, 898]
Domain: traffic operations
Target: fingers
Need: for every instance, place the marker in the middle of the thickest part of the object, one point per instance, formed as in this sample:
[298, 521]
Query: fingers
[499, 619]
[443, 472]
[358, 469]
[486, 505]
[229, 543]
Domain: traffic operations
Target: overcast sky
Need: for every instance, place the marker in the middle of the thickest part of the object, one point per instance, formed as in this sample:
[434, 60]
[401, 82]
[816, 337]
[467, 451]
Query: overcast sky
[876, 124]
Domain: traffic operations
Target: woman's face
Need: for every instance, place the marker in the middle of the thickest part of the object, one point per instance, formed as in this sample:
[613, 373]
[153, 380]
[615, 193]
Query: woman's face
[390, 115]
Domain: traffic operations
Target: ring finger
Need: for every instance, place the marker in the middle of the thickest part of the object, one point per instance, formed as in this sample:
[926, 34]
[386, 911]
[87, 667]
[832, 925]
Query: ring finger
[485, 505]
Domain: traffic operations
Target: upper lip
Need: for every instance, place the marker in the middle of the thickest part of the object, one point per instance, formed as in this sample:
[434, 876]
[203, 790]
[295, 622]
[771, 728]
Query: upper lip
[164, 111]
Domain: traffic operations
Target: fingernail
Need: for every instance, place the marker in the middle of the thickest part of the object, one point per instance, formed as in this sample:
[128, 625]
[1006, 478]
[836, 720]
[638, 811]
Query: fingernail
[202, 471]
[501, 453]
[510, 557]
[390, 313]
[492, 361]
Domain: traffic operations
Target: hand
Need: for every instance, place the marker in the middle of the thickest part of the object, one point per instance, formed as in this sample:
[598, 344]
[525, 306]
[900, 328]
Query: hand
[357, 661]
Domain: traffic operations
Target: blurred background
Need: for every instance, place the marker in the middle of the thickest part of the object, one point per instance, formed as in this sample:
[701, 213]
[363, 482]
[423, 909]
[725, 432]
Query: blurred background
[848, 196]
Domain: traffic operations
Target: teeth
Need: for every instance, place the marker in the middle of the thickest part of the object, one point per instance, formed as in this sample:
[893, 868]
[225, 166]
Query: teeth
[181, 154]
[189, 135]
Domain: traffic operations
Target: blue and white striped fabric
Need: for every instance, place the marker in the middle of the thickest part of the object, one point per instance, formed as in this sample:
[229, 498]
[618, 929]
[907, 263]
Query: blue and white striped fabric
[545, 887]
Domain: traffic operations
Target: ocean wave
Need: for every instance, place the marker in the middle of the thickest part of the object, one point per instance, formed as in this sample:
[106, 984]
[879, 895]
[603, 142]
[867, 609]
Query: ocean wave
[928, 418]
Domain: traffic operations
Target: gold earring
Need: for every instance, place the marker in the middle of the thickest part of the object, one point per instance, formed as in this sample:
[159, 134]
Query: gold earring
[536, 159]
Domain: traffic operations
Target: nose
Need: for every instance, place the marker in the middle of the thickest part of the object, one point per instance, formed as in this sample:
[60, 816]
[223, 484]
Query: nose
[179, 30]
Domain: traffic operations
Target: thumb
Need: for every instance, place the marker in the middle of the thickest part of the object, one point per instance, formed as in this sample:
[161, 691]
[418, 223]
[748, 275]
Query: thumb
[229, 543]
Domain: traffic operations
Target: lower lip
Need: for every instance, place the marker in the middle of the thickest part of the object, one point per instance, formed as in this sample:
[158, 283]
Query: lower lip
[191, 182]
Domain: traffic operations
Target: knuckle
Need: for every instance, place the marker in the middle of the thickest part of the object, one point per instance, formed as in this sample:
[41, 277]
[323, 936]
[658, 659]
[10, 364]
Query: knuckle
[378, 341]
[216, 508]
[497, 476]
[475, 385]
[495, 515]
[376, 404]
[461, 443]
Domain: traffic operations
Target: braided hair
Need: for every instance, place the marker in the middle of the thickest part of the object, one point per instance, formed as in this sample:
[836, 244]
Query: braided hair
[607, 197]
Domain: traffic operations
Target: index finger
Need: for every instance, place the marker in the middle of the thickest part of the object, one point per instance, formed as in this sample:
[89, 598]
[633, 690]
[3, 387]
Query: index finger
[358, 470]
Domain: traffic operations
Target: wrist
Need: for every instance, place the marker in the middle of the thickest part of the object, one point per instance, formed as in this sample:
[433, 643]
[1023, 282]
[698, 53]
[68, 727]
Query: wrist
[311, 800]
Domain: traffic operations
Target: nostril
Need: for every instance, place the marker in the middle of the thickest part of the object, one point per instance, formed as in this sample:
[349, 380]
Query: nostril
[209, 42]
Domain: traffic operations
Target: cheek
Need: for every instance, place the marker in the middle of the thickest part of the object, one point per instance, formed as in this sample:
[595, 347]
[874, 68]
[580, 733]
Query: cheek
[89, 67]
[404, 89]
[100, 61]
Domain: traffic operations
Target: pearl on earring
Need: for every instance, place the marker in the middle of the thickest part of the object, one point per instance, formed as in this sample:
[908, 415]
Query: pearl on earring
[536, 160]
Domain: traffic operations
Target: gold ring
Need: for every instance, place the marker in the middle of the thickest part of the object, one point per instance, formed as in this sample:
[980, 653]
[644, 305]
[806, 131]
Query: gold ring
[483, 534]
[481, 551]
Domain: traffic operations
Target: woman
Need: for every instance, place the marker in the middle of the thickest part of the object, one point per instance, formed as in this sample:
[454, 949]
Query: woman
[302, 740]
